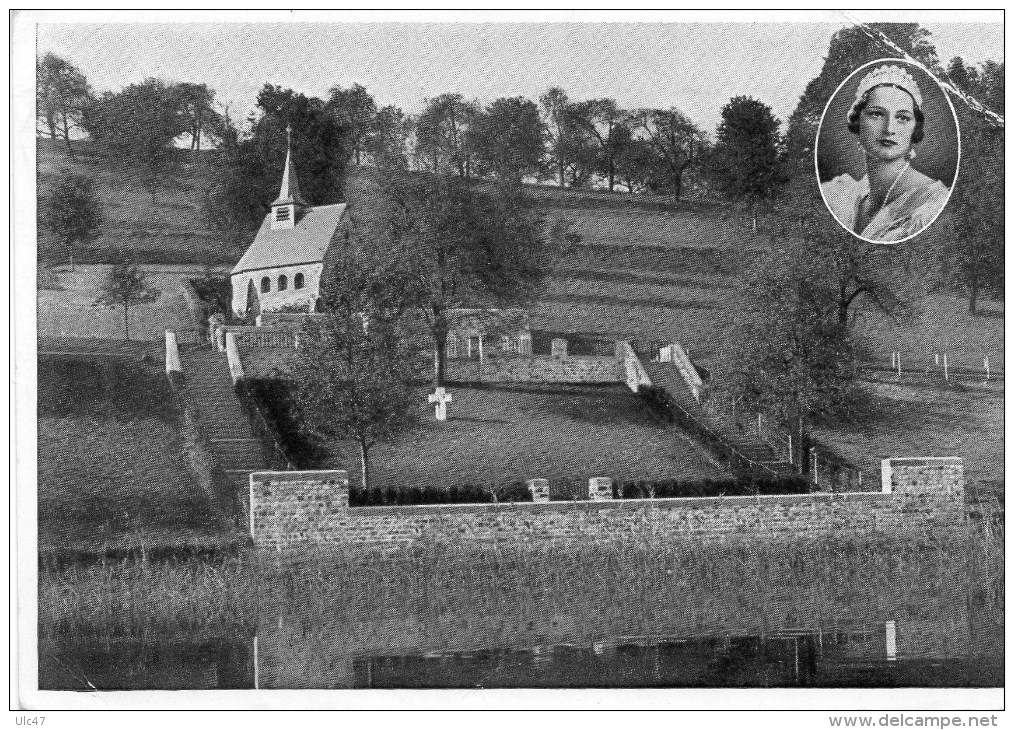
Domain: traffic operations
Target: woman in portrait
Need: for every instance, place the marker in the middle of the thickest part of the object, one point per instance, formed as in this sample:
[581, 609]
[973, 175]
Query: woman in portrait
[893, 201]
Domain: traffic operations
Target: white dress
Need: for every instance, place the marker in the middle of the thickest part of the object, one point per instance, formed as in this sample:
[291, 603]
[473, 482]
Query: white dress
[903, 217]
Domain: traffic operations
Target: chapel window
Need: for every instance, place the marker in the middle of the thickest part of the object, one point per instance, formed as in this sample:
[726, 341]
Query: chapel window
[265, 285]
[283, 283]
[298, 281]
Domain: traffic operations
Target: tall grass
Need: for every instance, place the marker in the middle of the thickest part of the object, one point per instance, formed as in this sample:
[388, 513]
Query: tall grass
[437, 594]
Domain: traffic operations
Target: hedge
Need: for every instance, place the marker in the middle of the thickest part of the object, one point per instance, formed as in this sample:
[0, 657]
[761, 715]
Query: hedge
[464, 494]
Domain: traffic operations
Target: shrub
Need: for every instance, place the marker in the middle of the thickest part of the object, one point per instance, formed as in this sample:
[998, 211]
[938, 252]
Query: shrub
[744, 485]
[273, 398]
[456, 494]
[215, 293]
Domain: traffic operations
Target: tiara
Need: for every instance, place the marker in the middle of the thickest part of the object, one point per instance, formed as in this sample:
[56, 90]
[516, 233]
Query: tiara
[893, 75]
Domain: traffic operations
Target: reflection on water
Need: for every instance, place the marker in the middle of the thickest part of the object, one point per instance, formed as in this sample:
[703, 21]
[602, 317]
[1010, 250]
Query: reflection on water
[873, 656]
[661, 614]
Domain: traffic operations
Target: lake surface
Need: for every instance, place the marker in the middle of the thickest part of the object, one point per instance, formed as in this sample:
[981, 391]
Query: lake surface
[664, 613]
[870, 656]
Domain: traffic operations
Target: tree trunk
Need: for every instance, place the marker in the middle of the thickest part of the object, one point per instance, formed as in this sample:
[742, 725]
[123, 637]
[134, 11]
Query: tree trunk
[51, 122]
[126, 323]
[364, 461]
[563, 173]
[441, 360]
[612, 174]
[66, 135]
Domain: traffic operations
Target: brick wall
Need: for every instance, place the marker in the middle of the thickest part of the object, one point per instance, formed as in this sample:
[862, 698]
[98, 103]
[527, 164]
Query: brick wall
[292, 507]
[537, 369]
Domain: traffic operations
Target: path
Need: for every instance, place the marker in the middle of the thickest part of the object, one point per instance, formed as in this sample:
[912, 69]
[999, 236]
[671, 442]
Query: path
[208, 385]
[666, 376]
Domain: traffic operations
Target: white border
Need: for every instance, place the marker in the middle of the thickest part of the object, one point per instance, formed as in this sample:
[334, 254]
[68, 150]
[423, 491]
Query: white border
[820, 126]
[811, 707]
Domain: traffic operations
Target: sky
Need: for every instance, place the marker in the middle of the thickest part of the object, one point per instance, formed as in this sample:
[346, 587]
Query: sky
[696, 67]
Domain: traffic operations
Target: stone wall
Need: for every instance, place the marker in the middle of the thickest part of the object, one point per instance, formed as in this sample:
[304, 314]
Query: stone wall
[537, 369]
[292, 508]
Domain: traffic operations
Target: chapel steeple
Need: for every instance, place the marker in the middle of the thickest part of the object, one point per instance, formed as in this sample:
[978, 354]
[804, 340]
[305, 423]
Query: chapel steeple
[289, 206]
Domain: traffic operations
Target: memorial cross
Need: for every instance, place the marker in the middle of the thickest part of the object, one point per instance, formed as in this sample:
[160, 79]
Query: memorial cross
[441, 398]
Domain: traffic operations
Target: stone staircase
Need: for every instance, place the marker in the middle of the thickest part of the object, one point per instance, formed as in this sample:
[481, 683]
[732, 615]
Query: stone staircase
[748, 443]
[209, 386]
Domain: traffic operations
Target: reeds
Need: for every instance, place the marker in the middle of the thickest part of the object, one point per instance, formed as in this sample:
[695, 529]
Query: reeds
[506, 593]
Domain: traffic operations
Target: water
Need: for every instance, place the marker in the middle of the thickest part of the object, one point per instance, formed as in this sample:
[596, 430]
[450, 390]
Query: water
[871, 656]
[658, 615]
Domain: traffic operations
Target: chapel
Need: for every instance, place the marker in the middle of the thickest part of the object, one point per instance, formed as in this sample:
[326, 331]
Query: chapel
[283, 266]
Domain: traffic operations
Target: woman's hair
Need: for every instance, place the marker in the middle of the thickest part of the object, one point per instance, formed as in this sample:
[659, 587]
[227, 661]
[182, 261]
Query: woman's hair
[856, 110]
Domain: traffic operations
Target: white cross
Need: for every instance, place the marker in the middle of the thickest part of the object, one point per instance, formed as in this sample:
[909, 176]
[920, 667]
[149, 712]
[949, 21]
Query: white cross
[441, 398]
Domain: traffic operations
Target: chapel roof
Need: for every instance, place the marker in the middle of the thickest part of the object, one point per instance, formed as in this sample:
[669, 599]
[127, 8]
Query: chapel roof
[304, 243]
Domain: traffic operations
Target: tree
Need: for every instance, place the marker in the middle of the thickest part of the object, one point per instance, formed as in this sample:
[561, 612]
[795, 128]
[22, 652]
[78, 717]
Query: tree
[72, 212]
[441, 134]
[636, 164]
[139, 125]
[792, 357]
[977, 204]
[197, 104]
[125, 286]
[250, 168]
[61, 95]
[459, 245]
[356, 371]
[572, 151]
[355, 110]
[507, 138]
[849, 49]
[675, 141]
[607, 125]
[745, 162]
[388, 136]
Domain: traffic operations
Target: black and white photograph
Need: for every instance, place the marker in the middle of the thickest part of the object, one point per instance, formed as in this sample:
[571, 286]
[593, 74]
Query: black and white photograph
[888, 160]
[510, 360]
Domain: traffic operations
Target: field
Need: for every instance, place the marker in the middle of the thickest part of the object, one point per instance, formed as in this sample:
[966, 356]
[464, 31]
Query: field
[114, 472]
[170, 230]
[496, 435]
[68, 311]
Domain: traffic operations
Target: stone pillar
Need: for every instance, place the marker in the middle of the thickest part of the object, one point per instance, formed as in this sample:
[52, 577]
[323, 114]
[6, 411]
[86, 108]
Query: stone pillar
[172, 354]
[559, 347]
[235, 361]
[525, 343]
[941, 477]
[600, 489]
[539, 489]
[289, 507]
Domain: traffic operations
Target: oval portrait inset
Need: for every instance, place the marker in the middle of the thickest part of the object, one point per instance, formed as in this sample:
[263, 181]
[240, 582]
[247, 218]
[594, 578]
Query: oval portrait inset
[887, 151]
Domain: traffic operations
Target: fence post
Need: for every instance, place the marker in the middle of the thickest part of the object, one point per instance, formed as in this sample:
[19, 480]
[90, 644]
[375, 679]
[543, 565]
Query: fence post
[813, 457]
[946, 375]
[985, 364]
[758, 424]
[899, 363]
[790, 449]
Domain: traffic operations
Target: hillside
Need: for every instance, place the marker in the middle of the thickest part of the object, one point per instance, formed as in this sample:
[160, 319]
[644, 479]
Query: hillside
[639, 271]
[169, 231]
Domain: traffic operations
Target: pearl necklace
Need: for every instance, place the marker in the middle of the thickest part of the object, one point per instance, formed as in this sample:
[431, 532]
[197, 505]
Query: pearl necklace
[889, 191]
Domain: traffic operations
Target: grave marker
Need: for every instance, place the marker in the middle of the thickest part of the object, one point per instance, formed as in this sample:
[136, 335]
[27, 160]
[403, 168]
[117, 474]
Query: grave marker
[558, 347]
[441, 398]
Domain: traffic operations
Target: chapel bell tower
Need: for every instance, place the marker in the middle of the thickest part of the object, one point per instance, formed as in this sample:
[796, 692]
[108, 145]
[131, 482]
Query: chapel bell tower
[290, 206]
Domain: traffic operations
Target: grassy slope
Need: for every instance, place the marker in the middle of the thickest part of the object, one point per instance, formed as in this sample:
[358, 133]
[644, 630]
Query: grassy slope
[170, 231]
[639, 271]
[113, 472]
[504, 434]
